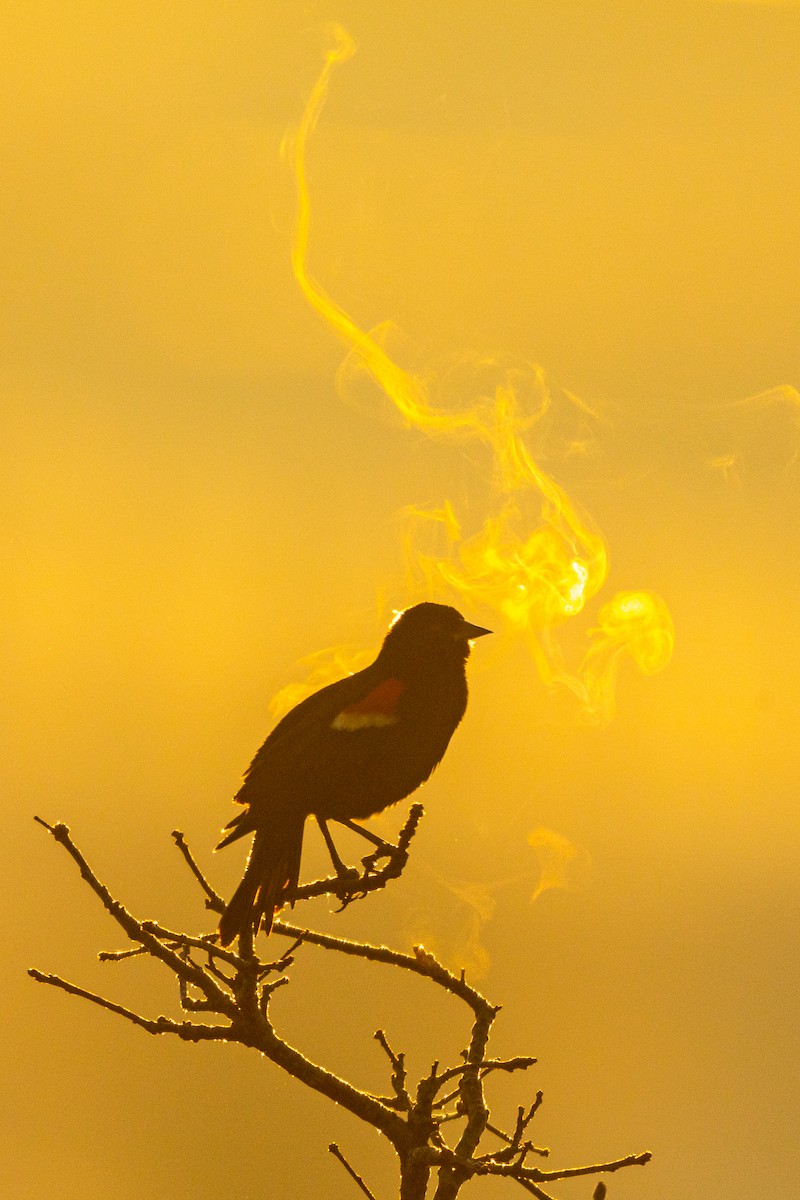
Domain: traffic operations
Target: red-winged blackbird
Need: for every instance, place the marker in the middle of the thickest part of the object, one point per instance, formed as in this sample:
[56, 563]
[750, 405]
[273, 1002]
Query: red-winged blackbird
[349, 751]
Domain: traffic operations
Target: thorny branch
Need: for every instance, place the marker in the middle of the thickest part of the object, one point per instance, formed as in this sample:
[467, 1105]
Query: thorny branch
[235, 990]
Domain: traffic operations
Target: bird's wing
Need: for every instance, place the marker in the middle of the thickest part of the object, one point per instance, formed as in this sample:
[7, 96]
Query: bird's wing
[316, 712]
[301, 743]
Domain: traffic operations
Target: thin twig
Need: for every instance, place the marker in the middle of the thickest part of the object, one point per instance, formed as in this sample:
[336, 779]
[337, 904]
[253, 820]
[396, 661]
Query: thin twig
[470, 1166]
[380, 1038]
[398, 1071]
[174, 940]
[500, 1064]
[136, 929]
[538, 1192]
[514, 1145]
[215, 900]
[119, 955]
[336, 1152]
[202, 942]
[421, 962]
[630, 1160]
[184, 1029]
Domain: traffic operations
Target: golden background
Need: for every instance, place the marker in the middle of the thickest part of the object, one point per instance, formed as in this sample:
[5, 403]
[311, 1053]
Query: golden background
[189, 508]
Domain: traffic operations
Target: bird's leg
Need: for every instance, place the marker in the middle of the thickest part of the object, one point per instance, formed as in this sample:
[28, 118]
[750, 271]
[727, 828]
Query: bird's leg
[339, 867]
[371, 837]
[384, 849]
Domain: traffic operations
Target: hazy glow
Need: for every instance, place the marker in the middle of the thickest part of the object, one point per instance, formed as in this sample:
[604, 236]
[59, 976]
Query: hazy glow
[458, 938]
[603, 186]
[533, 576]
[562, 864]
[635, 625]
[322, 667]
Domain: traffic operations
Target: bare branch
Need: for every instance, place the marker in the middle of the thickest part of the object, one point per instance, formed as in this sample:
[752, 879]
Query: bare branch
[184, 1029]
[630, 1160]
[265, 993]
[371, 879]
[415, 815]
[204, 942]
[175, 940]
[215, 901]
[515, 1144]
[499, 1064]
[258, 1032]
[398, 1071]
[421, 962]
[472, 1103]
[534, 1190]
[336, 1152]
[119, 955]
[239, 986]
[136, 930]
[526, 1175]
[380, 1038]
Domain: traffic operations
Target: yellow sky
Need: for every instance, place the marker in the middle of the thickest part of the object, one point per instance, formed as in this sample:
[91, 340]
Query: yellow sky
[606, 189]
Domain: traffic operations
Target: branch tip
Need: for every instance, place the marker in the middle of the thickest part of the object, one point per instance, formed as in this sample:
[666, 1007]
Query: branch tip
[60, 831]
[336, 1152]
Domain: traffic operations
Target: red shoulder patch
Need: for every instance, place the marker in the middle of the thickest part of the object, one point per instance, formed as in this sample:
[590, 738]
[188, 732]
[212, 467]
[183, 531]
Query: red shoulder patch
[382, 699]
[378, 707]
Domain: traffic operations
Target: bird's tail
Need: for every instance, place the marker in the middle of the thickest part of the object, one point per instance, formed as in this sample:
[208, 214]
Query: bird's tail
[272, 870]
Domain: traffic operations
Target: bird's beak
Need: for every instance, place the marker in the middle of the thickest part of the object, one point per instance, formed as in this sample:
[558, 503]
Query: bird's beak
[473, 631]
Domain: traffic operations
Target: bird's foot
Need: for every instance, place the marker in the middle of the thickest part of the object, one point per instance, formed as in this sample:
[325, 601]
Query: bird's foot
[346, 878]
[385, 850]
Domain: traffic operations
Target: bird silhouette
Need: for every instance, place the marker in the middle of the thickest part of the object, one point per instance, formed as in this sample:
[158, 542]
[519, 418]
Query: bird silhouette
[346, 752]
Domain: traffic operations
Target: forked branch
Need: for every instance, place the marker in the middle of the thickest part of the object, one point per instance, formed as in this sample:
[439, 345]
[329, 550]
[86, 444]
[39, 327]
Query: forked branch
[233, 990]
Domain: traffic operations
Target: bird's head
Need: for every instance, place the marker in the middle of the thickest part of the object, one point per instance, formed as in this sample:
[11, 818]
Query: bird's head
[431, 631]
